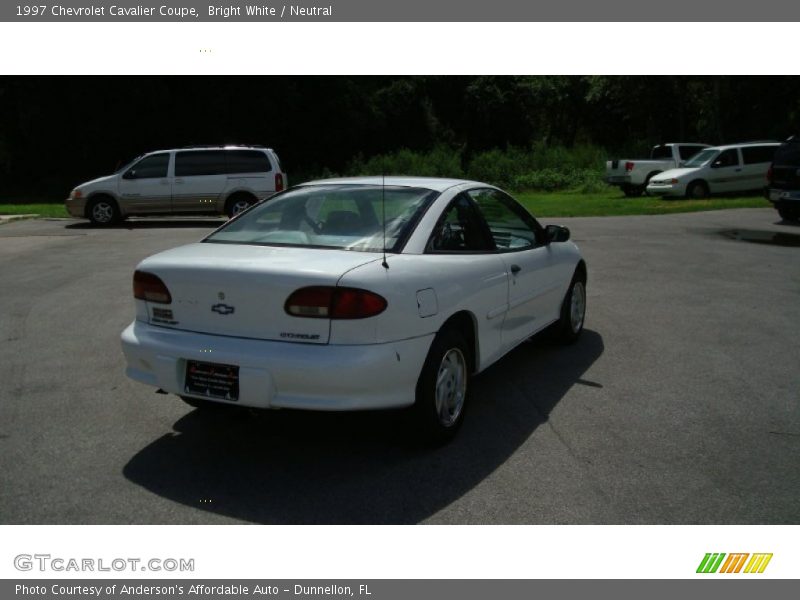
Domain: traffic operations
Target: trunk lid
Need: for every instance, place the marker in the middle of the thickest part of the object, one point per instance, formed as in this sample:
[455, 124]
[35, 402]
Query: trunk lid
[240, 290]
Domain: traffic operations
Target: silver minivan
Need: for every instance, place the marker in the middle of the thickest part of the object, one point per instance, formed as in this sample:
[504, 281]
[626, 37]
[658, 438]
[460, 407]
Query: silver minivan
[718, 170]
[194, 180]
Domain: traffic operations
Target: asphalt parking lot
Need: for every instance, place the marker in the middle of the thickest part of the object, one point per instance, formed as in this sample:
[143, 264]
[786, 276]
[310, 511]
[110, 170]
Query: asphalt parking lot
[678, 405]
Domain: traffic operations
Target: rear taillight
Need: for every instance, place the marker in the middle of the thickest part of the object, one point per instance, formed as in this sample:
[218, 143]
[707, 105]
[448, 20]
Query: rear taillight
[628, 167]
[769, 175]
[147, 286]
[278, 182]
[323, 302]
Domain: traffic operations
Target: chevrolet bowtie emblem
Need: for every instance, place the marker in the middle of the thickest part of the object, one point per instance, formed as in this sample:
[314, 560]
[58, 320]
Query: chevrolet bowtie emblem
[222, 309]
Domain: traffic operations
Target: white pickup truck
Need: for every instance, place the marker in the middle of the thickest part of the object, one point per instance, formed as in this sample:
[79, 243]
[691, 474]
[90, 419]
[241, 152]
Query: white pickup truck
[633, 175]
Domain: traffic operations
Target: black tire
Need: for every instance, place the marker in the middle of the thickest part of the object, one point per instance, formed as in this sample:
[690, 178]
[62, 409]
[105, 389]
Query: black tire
[570, 324]
[787, 214]
[103, 211]
[206, 405]
[647, 181]
[238, 203]
[632, 191]
[697, 190]
[439, 409]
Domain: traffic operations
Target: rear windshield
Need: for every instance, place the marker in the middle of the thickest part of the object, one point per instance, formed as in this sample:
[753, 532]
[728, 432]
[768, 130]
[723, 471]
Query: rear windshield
[661, 152]
[701, 158]
[347, 217]
[788, 155]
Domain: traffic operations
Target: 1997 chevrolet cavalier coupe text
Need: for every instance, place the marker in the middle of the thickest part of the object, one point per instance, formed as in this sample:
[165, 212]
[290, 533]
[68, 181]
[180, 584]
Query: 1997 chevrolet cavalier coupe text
[351, 294]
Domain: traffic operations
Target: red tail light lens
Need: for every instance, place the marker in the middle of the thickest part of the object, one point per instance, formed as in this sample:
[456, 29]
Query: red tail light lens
[769, 174]
[278, 182]
[323, 302]
[628, 167]
[147, 286]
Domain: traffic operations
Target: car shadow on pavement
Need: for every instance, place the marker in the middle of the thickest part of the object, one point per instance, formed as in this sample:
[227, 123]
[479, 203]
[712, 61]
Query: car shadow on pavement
[331, 468]
[153, 223]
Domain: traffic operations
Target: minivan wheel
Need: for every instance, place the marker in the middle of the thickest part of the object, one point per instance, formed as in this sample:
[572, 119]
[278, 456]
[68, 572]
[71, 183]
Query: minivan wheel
[787, 214]
[697, 190]
[103, 211]
[442, 387]
[238, 203]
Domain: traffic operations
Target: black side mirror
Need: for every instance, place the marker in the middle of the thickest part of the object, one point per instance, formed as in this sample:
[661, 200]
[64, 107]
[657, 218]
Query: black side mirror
[556, 233]
[129, 174]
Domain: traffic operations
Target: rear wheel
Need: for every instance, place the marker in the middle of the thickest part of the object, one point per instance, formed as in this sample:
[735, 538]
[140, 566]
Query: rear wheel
[238, 203]
[632, 191]
[103, 211]
[442, 387]
[788, 214]
[697, 190]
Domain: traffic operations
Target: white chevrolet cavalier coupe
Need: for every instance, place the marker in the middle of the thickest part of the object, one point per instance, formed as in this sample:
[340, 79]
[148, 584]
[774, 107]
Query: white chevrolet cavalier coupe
[350, 294]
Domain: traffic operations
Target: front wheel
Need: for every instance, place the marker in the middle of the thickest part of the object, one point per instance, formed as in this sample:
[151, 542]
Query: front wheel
[103, 212]
[573, 311]
[442, 387]
[697, 190]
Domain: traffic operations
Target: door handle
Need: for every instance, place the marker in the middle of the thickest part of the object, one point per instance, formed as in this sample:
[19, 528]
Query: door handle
[737, 170]
[179, 180]
[515, 269]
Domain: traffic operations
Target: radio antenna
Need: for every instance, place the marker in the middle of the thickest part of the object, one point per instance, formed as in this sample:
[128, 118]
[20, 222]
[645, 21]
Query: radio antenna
[384, 264]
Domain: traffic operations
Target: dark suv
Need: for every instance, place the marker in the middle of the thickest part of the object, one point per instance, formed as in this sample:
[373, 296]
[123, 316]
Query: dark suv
[783, 180]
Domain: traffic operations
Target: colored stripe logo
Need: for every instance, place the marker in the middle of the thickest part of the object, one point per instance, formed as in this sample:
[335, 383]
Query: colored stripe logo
[734, 563]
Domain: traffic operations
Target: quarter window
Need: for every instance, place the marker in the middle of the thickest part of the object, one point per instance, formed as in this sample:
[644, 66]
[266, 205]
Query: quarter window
[150, 167]
[512, 228]
[752, 155]
[247, 161]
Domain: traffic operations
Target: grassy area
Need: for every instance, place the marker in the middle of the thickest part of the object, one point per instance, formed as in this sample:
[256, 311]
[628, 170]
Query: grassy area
[45, 210]
[613, 203]
[541, 204]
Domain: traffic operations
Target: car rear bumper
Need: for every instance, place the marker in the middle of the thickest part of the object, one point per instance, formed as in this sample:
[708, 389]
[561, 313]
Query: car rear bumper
[282, 374]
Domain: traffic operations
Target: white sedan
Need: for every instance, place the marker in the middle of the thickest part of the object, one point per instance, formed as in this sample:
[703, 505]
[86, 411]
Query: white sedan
[350, 294]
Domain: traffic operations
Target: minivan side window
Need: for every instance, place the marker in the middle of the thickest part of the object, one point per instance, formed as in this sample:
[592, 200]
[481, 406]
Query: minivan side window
[727, 158]
[150, 167]
[247, 161]
[758, 154]
[200, 162]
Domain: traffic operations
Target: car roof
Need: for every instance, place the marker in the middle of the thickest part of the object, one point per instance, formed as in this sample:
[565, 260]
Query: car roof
[221, 147]
[745, 145]
[438, 184]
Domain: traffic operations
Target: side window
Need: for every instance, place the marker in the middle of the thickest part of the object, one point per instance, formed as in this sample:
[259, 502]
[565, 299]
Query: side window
[659, 152]
[728, 158]
[752, 155]
[687, 152]
[150, 167]
[200, 162]
[460, 229]
[247, 161]
[510, 225]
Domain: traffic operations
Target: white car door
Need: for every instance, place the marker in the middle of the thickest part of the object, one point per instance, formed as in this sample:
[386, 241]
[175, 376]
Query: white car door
[145, 188]
[535, 284]
[200, 178]
[725, 172]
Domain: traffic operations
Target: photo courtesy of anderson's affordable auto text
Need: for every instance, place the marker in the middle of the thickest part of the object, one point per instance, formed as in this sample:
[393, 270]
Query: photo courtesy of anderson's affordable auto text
[262, 327]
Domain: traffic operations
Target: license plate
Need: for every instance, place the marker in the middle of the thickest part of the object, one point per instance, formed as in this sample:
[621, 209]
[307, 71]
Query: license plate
[212, 380]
